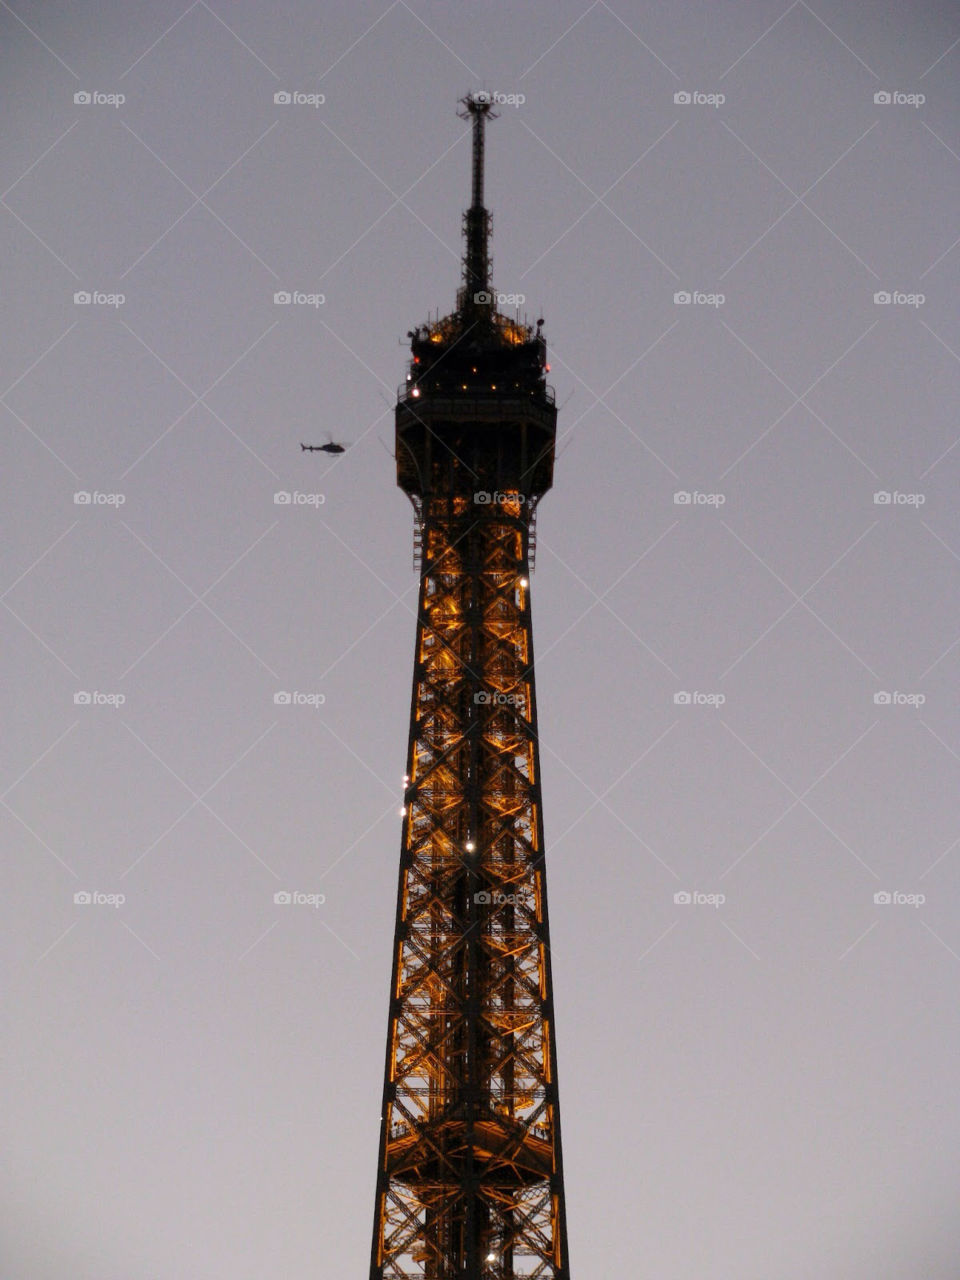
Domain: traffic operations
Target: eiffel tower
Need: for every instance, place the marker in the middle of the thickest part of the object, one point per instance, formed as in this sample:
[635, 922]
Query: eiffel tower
[470, 1173]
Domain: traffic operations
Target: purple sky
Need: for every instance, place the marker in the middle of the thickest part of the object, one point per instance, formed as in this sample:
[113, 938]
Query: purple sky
[758, 1088]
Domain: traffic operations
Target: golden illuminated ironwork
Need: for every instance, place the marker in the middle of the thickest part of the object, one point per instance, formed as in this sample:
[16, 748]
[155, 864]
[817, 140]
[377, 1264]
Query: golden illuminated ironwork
[470, 1176]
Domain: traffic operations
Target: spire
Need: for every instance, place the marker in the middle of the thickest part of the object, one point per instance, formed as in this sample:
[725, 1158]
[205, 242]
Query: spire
[476, 221]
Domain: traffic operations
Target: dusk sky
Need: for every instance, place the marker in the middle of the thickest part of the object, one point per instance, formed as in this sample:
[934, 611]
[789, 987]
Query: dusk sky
[741, 223]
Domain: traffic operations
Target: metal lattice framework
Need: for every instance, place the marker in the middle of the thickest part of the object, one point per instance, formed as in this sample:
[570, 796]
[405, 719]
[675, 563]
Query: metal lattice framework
[470, 1174]
[470, 1164]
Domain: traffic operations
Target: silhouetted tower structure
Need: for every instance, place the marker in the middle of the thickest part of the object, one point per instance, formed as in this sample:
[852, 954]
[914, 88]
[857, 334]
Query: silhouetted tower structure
[470, 1176]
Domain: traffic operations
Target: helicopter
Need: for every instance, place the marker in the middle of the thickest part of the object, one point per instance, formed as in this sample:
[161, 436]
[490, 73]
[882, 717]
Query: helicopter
[329, 447]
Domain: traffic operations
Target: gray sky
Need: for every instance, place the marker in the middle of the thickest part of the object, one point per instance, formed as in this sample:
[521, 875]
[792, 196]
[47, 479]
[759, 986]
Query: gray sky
[762, 1088]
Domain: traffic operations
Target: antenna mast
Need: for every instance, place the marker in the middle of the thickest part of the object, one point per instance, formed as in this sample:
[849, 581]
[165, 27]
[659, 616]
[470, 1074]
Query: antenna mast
[476, 220]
